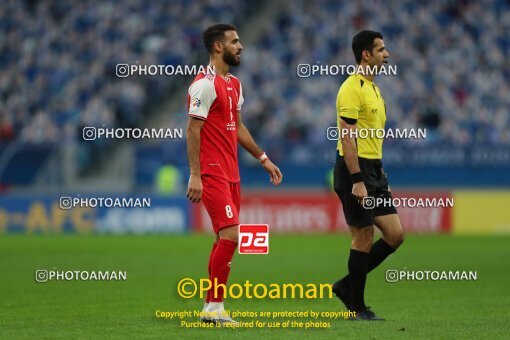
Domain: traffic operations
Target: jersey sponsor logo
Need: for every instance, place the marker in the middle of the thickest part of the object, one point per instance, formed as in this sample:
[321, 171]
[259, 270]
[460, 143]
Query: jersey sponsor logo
[231, 126]
[253, 239]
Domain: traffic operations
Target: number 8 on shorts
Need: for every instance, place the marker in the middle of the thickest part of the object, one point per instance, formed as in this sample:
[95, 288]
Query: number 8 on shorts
[228, 210]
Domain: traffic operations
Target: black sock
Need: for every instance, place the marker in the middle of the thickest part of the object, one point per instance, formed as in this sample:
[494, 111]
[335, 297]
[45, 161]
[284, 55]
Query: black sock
[378, 253]
[358, 263]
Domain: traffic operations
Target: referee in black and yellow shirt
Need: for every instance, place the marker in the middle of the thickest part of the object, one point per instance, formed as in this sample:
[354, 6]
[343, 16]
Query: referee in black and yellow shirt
[358, 173]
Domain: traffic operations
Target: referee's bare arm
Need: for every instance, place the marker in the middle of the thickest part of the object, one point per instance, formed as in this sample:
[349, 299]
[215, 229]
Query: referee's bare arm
[195, 188]
[350, 152]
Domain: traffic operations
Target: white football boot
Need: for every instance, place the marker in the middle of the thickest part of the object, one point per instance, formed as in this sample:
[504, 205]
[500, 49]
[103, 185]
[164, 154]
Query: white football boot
[216, 313]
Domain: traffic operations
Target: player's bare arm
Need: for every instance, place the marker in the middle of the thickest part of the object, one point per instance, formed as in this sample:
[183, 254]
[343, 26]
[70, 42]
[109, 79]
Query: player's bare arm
[351, 158]
[194, 193]
[248, 143]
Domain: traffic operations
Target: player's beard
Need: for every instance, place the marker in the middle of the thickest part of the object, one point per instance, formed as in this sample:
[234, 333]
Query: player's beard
[230, 59]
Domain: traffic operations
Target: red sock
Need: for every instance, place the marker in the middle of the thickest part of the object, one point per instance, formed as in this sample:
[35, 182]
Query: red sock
[209, 268]
[221, 266]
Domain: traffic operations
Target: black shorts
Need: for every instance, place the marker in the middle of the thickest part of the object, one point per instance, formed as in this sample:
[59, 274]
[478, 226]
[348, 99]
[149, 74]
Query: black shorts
[376, 182]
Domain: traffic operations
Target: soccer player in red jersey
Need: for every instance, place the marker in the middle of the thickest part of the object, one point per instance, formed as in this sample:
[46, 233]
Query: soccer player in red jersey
[214, 128]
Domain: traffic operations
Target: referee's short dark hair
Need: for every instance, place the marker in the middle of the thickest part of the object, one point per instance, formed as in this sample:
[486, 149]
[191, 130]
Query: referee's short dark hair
[364, 41]
[215, 33]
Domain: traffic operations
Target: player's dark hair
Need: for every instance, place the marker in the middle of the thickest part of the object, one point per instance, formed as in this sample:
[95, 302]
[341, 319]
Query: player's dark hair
[364, 41]
[215, 33]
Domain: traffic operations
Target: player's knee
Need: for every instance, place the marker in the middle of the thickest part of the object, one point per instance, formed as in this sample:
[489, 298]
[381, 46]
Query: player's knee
[230, 233]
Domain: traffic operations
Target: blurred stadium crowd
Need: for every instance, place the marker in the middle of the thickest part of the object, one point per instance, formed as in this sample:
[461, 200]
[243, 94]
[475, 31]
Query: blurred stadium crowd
[58, 60]
[58, 65]
[453, 76]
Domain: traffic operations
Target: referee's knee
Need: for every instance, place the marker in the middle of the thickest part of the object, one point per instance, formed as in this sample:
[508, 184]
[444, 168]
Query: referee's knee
[362, 239]
[396, 239]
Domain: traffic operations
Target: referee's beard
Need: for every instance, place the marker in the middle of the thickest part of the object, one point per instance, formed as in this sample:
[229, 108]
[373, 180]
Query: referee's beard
[378, 64]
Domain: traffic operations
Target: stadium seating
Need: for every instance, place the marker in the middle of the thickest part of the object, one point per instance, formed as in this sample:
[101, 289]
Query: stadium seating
[58, 67]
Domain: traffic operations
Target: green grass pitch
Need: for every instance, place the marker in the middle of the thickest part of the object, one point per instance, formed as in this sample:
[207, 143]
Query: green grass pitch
[154, 265]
